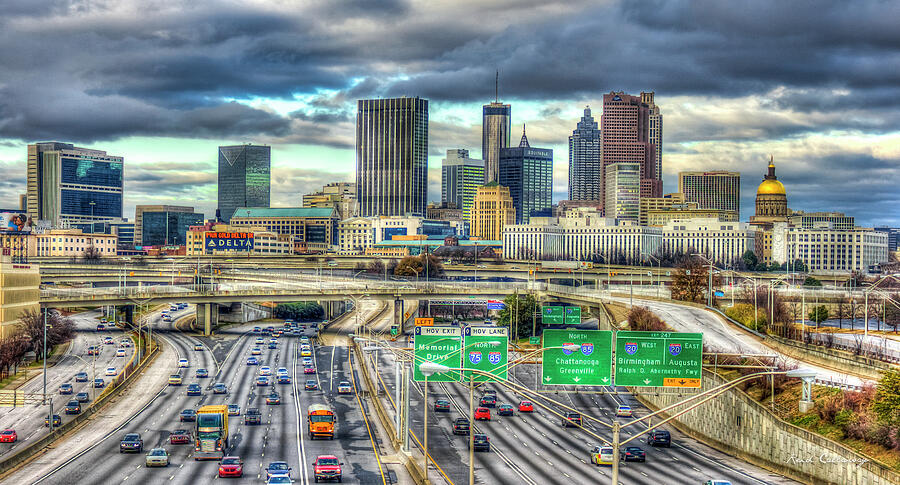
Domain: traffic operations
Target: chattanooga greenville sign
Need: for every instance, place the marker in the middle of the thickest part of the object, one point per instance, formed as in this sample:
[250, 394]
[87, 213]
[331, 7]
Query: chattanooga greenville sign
[229, 241]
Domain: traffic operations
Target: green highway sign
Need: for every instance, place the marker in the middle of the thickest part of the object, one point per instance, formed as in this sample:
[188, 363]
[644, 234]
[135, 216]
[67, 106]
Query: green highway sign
[573, 315]
[534, 341]
[591, 365]
[479, 354]
[658, 359]
[439, 345]
[552, 315]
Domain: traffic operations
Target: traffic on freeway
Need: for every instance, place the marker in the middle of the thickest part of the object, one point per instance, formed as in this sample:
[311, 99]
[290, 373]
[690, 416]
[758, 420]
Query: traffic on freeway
[97, 354]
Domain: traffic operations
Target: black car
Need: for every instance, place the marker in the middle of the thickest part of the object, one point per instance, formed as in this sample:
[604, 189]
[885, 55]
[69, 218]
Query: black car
[505, 410]
[57, 421]
[633, 453]
[659, 438]
[480, 442]
[131, 442]
[194, 390]
[188, 415]
[82, 397]
[488, 401]
[461, 426]
[73, 407]
[571, 419]
[252, 416]
[442, 405]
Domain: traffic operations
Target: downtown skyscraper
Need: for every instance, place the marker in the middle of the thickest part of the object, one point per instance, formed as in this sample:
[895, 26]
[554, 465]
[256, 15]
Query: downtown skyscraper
[392, 156]
[585, 161]
[625, 127]
[528, 172]
[460, 178]
[494, 136]
[244, 178]
[72, 186]
[656, 131]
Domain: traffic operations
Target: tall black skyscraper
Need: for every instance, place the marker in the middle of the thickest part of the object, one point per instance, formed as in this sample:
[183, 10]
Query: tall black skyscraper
[528, 172]
[585, 160]
[392, 156]
[244, 177]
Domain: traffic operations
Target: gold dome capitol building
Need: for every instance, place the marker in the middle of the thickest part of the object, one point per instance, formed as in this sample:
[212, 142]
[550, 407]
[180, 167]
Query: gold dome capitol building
[771, 207]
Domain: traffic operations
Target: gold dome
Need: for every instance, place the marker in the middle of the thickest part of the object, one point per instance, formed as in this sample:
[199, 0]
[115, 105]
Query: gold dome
[771, 187]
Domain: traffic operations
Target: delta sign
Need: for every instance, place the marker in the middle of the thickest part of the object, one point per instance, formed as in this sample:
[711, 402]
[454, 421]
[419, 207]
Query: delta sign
[228, 241]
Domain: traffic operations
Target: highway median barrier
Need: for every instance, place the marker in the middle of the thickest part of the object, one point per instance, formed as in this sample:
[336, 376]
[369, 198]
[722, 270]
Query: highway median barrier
[119, 384]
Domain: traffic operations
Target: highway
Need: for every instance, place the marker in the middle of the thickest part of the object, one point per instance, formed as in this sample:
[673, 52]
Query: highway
[535, 449]
[724, 337]
[28, 421]
[280, 437]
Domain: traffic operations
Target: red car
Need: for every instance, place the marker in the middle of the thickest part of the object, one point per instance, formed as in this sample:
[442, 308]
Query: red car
[180, 437]
[309, 370]
[231, 466]
[327, 467]
[482, 414]
[8, 436]
[526, 407]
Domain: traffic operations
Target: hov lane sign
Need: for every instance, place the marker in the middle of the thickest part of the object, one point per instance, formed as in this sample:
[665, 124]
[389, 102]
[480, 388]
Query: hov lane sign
[479, 354]
[440, 345]
[591, 365]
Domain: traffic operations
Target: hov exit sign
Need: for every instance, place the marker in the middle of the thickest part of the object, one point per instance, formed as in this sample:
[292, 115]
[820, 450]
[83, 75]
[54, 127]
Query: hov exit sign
[658, 359]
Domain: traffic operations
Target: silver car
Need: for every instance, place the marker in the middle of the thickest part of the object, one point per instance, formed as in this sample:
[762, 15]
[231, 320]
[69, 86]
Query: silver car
[158, 457]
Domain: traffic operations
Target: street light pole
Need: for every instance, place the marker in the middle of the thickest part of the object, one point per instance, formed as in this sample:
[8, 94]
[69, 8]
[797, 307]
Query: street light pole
[44, 398]
[471, 424]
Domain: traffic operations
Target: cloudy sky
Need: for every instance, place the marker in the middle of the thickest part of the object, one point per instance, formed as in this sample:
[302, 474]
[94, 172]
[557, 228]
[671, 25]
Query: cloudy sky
[164, 82]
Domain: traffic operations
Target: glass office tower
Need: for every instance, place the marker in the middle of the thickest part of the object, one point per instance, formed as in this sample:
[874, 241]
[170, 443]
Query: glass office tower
[244, 178]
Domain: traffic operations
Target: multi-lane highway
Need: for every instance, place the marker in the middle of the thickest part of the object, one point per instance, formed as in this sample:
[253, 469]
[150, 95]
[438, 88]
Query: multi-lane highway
[534, 448]
[281, 436]
[29, 421]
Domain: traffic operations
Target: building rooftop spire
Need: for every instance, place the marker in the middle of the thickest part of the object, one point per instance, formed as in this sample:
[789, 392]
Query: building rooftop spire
[524, 141]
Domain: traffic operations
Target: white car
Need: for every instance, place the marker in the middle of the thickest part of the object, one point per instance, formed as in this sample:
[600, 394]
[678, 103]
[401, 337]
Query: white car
[281, 371]
[344, 388]
[111, 371]
[623, 411]
[265, 370]
[120, 352]
[183, 363]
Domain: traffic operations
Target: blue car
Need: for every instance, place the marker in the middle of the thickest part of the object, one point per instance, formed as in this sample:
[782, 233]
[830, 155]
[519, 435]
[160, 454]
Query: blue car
[252, 361]
[273, 345]
[284, 379]
[194, 390]
[262, 381]
[278, 469]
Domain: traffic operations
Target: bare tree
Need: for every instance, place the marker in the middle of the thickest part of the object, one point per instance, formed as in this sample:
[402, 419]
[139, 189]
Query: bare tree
[59, 330]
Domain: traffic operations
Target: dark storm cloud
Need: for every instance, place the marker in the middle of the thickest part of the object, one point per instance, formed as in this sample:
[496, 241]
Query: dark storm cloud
[157, 66]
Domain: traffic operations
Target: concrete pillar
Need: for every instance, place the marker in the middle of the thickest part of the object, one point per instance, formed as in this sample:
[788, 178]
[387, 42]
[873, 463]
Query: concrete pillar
[207, 316]
[399, 317]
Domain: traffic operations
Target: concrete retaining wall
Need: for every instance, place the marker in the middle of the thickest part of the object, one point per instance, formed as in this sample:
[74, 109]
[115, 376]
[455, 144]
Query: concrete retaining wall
[738, 425]
[833, 358]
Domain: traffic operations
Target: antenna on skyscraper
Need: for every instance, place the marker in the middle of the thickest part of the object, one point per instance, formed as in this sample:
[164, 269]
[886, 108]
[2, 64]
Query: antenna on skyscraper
[497, 87]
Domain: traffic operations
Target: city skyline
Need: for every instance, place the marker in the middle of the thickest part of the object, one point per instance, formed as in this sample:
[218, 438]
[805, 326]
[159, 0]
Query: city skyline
[838, 149]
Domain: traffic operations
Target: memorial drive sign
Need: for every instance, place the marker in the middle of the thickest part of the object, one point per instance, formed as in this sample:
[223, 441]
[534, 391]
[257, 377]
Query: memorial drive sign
[479, 354]
[440, 345]
[591, 365]
[658, 359]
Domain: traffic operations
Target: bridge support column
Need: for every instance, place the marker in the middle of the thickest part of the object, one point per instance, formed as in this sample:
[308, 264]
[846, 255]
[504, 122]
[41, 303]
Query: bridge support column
[207, 316]
[399, 316]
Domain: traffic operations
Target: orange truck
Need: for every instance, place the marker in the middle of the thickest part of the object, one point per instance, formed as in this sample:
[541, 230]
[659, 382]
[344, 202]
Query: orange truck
[321, 421]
